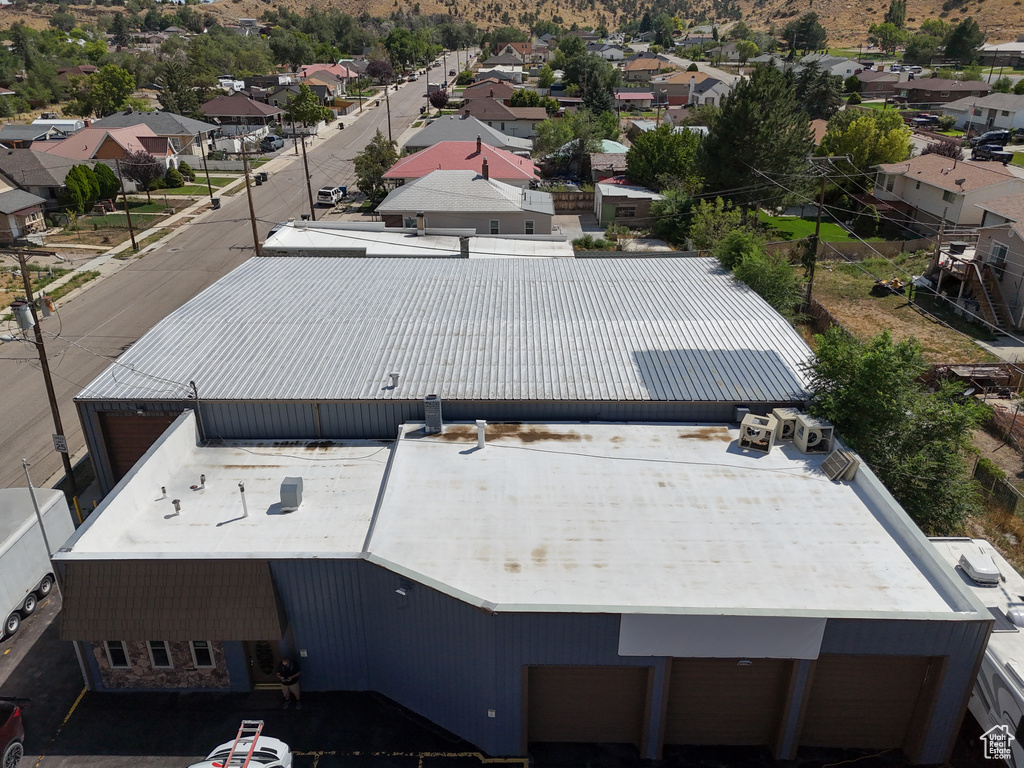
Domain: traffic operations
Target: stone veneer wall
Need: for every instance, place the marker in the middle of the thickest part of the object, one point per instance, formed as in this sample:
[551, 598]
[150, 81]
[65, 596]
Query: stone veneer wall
[141, 673]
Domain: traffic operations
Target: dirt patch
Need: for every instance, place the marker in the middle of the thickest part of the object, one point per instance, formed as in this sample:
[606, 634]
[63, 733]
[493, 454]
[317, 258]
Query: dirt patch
[523, 433]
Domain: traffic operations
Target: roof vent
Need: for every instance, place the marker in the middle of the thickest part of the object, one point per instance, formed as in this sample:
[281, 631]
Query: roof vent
[291, 494]
[481, 433]
[432, 414]
[1016, 616]
[981, 568]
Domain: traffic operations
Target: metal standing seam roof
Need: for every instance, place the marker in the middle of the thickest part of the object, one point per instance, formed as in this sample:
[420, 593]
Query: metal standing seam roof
[636, 329]
[464, 191]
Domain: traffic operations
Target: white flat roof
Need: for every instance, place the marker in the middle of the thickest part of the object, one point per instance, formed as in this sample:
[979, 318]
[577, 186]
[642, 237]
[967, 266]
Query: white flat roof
[376, 241]
[639, 517]
[341, 480]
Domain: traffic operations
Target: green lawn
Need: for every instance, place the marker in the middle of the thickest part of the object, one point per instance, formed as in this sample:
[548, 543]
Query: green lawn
[793, 228]
[140, 221]
[199, 188]
[1018, 159]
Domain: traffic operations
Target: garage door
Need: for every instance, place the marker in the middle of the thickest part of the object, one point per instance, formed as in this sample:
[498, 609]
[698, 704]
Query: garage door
[587, 704]
[726, 701]
[863, 701]
[128, 435]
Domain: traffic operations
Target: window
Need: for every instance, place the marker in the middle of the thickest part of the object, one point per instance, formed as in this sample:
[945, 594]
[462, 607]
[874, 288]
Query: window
[1005, 113]
[949, 197]
[159, 653]
[890, 182]
[529, 227]
[408, 222]
[997, 258]
[495, 227]
[623, 212]
[944, 93]
[202, 653]
[116, 654]
[503, 126]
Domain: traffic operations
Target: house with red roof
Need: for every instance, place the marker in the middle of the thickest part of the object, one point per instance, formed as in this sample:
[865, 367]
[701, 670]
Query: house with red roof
[465, 156]
[95, 143]
[338, 70]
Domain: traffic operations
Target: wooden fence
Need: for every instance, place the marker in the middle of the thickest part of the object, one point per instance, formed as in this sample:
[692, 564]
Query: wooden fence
[573, 202]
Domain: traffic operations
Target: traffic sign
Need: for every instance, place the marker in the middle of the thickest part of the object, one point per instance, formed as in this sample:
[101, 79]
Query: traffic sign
[60, 444]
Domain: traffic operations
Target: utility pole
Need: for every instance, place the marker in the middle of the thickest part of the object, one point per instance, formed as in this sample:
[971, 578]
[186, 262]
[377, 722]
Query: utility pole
[202, 148]
[387, 100]
[248, 194]
[124, 197]
[812, 250]
[44, 366]
[309, 188]
[295, 136]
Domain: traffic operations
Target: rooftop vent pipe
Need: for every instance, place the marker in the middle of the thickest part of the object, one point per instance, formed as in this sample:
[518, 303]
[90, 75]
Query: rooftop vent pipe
[177, 506]
[464, 246]
[394, 380]
[479, 144]
[421, 224]
[481, 433]
[245, 508]
[432, 414]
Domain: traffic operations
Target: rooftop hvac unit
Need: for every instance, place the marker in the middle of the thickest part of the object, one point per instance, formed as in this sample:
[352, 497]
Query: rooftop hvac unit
[981, 568]
[291, 494]
[787, 422]
[432, 414]
[812, 435]
[757, 433]
[840, 465]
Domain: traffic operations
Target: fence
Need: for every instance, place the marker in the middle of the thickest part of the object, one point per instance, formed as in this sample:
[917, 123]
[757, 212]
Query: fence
[219, 165]
[997, 489]
[857, 251]
[573, 202]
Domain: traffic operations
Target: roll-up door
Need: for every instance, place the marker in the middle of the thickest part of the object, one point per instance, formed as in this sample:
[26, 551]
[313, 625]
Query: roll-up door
[864, 702]
[128, 435]
[587, 704]
[726, 701]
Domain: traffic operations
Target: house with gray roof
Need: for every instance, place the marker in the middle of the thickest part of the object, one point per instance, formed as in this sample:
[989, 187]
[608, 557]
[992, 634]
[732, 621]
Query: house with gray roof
[995, 111]
[471, 201]
[38, 173]
[180, 131]
[465, 127]
[22, 136]
[21, 214]
[834, 65]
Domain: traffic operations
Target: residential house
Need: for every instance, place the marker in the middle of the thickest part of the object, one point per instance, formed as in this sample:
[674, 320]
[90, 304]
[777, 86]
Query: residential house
[239, 114]
[528, 54]
[326, 85]
[341, 71]
[616, 201]
[82, 70]
[880, 84]
[607, 51]
[996, 110]
[677, 85]
[496, 74]
[67, 125]
[726, 52]
[24, 136]
[491, 88]
[465, 156]
[934, 91]
[113, 144]
[463, 127]
[1000, 246]
[184, 133]
[643, 68]
[930, 189]
[709, 91]
[633, 98]
[507, 64]
[38, 173]
[515, 121]
[21, 214]
[834, 65]
[467, 199]
[1009, 55]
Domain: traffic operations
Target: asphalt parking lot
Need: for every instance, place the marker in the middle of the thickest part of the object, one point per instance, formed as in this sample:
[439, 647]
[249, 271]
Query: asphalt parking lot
[67, 727]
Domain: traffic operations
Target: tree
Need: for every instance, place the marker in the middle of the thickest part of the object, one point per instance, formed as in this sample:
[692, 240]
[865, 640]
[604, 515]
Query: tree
[173, 178]
[746, 49]
[740, 31]
[142, 168]
[596, 79]
[381, 71]
[915, 441]
[304, 108]
[922, 48]
[851, 84]
[1019, 88]
[770, 276]
[662, 157]
[761, 126]
[546, 77]
[438, 99]
[805, 34]
[121, 31]
[109, 185]
[1003, 85]
[887, 36]
[465, 77]
[179, 93]
[712, 221]
[291, 48]
[736, 244]
[571, 46]
[866, 139]
[672, 216]
[524, 97]
[819, 92]
[109, 89]
[63, 20]
[964, 41]
[372, 163]
[568, 143]
[897, 13]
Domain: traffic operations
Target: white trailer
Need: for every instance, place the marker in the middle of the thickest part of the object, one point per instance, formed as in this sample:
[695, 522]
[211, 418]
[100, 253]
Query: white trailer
[25, 575]
[997, 700]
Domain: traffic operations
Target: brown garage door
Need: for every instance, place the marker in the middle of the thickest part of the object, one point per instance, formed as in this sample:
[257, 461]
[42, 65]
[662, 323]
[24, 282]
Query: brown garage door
[720, 701]
[587, 704]
[128, 435]
[864, 701]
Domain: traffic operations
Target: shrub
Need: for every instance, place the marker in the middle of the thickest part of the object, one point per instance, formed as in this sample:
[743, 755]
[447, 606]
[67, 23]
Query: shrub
[946, 122]
[173, 178]
[693, 67]
[591, 243]
[186, 170]
[854, 99]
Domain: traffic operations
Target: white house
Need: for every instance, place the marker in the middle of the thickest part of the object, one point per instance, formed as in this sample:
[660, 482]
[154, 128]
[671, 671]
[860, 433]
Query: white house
[997, 110]
[835, 65]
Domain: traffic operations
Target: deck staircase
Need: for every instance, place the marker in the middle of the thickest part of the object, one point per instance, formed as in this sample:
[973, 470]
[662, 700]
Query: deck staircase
[984, 282]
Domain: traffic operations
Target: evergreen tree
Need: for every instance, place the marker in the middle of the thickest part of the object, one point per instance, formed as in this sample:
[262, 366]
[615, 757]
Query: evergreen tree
[121, 31]
[897, 13]
[819, 92]
[372, 163]
[662, 157]
[964, 41]
[109, 185]
[761, 126]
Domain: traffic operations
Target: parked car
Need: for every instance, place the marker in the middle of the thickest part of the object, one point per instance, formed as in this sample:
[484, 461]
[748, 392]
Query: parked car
[330, 195]
[271, 143]
[896, 68]
[12, 732]
[991, 152]
[992, 137]
[269, 753]
[924, 120]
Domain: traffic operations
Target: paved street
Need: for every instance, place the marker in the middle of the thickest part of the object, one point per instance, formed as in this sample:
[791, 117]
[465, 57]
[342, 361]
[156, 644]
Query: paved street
[98, 325]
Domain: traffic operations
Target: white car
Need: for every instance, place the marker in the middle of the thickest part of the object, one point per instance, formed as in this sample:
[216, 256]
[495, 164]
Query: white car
[269, 753]
[329, 195]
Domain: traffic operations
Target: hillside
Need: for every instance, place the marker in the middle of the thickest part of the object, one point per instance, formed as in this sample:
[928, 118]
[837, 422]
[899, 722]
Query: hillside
[846, 20]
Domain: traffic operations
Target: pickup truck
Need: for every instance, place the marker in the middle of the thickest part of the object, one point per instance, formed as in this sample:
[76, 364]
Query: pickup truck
[991, 152]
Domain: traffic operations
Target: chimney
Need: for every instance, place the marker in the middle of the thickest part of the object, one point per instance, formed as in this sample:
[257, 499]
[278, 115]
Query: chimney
[479, 147]
[492, 93]
[485, 172]
[421, 224]
[88, 123]
[464, 247]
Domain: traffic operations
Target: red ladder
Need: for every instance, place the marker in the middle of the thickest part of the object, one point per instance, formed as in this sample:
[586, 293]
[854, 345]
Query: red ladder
[249, 729]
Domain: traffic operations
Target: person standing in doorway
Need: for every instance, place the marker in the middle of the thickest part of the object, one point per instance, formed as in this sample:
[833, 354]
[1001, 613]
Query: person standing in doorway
[288, 673]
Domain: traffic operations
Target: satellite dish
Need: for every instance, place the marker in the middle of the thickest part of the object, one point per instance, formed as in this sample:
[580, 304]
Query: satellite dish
[959, 182]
